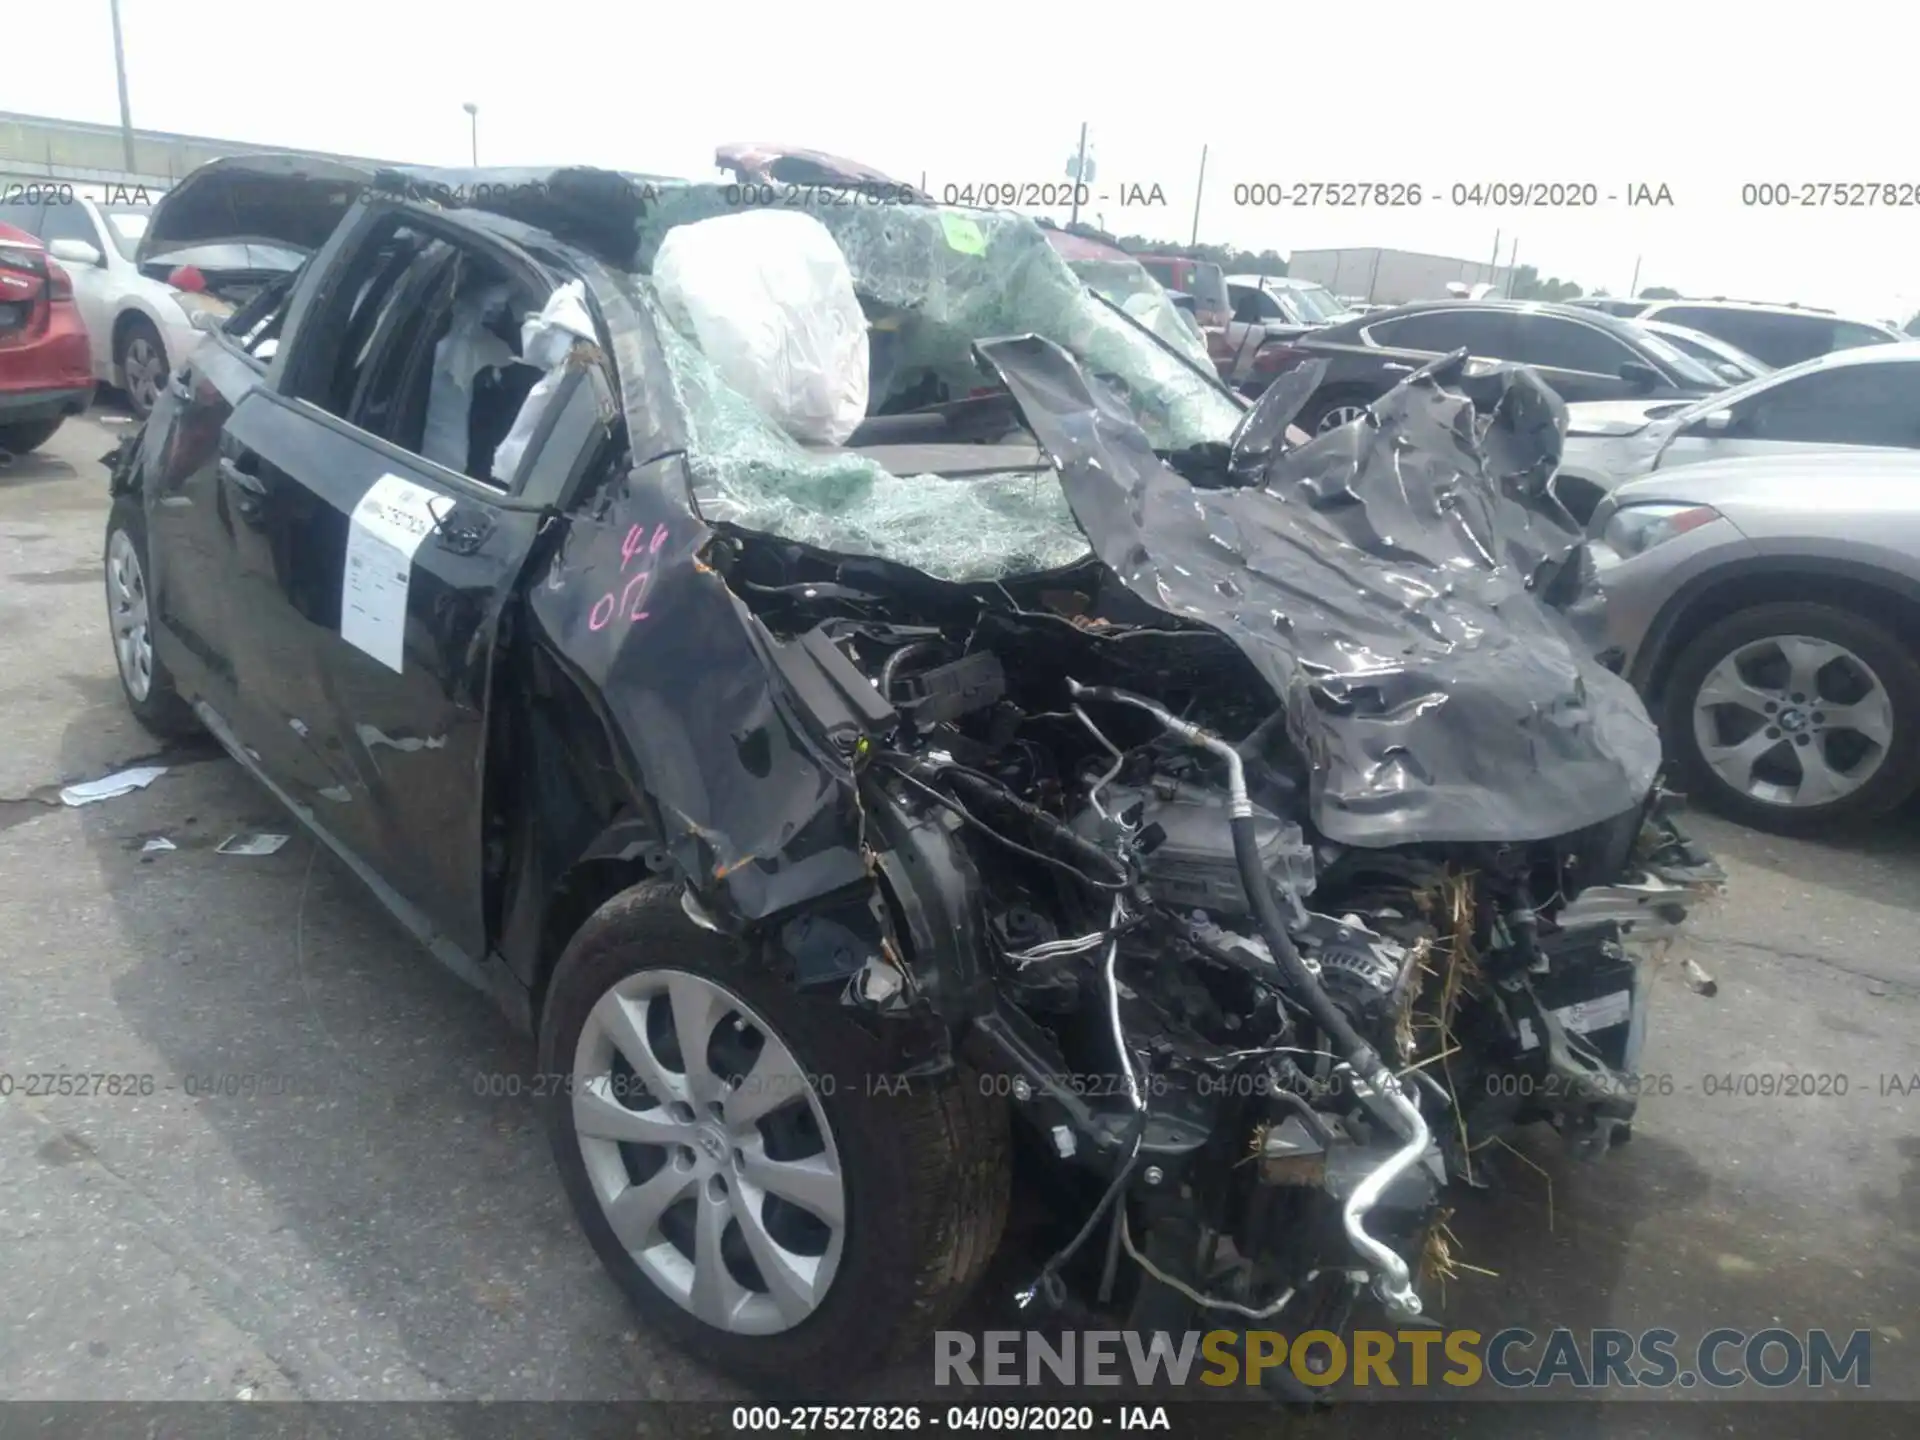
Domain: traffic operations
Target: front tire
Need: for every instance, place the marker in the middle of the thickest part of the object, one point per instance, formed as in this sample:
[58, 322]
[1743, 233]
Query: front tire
[1795, 717]
[144, 680]
[760, 1197]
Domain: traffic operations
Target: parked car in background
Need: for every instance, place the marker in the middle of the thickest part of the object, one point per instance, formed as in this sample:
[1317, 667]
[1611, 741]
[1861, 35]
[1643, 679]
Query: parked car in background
[1583, 356]
[1272, 307]
[1779, 335]
[144, 308]
[1866, 398]
[1207, 284]
[1117, 277]
[1768, 608]
[1301, 302]
[1729, 362]
[44, 370]
[1608, 305]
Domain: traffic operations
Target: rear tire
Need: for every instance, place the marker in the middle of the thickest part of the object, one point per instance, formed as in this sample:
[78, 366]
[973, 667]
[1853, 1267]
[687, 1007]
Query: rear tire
[923, 1173]
[1867, 670]
[144, 680]
[28, 435]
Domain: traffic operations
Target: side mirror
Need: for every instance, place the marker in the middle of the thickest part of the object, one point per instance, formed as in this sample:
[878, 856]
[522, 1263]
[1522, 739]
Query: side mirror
[1640, 376]
[1716, 421]
[1731, 373]
[76, 252]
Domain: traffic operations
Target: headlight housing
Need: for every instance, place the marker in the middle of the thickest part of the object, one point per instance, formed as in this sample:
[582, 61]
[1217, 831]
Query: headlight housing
[1635, 529]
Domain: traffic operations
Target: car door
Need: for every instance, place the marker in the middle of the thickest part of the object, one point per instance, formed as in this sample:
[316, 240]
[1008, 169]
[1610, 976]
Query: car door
[192, 521]
[1873, 405]
[370, 579]
[1580, 361]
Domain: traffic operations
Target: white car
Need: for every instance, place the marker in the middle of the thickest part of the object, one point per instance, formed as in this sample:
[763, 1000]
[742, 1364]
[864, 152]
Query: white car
[138, 323]
[1865, 398]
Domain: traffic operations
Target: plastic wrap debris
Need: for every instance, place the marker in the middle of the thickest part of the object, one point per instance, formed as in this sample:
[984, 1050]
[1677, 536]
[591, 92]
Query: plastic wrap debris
[156, 844]
[547, 340]
[253, 844]
[110, 787]
[768, 296]
[467, 348]
[933, 287]
[1401, 583]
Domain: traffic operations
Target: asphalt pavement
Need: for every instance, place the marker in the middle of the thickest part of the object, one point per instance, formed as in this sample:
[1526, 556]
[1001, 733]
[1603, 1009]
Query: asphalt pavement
[362, 1220]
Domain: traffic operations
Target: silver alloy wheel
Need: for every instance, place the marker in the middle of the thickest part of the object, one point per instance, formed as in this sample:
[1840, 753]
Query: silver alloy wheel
[1339, 415]
[728, 1195]
[144, 368]
[127, 607]
[1813, 701]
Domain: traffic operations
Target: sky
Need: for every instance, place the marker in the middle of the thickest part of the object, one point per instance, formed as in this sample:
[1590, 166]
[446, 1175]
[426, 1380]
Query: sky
[1701, 100]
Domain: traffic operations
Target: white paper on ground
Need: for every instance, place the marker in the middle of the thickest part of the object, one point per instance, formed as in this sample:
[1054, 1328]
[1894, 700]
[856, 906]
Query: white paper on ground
[159, 842]
[108, 786]
[250, 844]
[387, 526]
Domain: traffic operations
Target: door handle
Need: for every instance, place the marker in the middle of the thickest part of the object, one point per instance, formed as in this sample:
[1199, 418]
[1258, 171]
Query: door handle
[1396, 365]
[232, 470]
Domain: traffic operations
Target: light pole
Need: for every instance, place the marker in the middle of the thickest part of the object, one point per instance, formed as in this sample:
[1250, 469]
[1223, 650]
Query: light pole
[120, 74]
[473, 130]
[1077, 167]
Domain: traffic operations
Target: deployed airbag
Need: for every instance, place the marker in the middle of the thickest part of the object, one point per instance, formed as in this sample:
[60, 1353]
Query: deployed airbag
[769, 297]
[464, 351]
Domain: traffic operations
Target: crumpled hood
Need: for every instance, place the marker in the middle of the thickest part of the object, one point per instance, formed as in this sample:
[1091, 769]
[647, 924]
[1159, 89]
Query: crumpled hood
[1388, 581]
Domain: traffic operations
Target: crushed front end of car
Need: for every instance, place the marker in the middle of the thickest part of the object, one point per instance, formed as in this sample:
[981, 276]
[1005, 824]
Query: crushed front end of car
[1255, 819]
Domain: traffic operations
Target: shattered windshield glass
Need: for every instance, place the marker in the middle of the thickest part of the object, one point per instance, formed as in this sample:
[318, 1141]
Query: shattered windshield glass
[1128, 285]
[932, 281]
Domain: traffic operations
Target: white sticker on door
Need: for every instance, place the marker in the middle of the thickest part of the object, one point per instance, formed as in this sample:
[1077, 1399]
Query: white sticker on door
[386, 527]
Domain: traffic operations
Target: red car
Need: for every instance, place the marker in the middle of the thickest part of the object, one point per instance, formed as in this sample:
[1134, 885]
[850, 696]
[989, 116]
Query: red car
[46, 372]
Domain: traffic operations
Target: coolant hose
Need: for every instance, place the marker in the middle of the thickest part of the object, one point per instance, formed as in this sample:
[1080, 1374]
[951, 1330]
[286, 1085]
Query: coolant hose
[1304, 984]
[1375, 1084]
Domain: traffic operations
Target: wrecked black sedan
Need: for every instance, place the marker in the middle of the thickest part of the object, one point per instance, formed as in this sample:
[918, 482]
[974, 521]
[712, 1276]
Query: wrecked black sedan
[892, 726]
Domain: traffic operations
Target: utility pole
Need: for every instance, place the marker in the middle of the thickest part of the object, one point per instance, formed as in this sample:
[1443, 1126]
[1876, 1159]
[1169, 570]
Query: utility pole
[1633, 290]
[1512, 255]
[1079, 175]
[120, 73]
[473, 130]
[1493, 265]
[1198, 189]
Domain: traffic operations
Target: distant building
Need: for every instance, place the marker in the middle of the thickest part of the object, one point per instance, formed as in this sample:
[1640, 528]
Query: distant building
[39, 148]
[1391, 277]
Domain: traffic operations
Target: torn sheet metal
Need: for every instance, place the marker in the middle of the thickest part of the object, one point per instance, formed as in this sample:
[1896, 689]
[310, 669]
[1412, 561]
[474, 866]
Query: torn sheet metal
[110, 787]
[386, 527]
[753, 805]
[1387, 580]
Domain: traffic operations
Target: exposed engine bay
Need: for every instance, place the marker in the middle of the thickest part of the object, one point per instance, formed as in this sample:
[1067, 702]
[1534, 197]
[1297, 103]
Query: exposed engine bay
[1260, 1054]
[1273, 860]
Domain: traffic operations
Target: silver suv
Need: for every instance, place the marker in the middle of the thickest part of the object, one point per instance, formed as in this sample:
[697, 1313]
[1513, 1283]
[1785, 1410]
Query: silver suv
[1781, 335]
